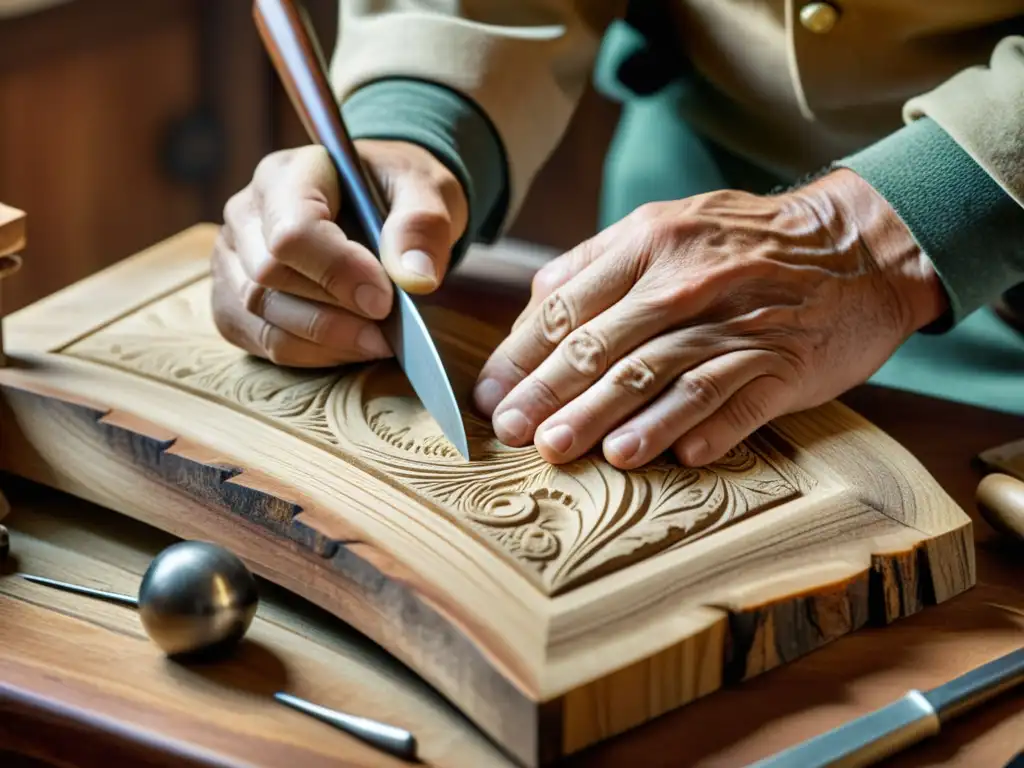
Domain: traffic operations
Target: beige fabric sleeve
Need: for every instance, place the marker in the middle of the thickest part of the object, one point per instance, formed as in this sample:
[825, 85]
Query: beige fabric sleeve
[982, 109]
[525, 63]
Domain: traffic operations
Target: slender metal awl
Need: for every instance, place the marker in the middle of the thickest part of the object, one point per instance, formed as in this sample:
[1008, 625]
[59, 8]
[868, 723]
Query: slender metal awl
[111, 597]
[300, 65]
[396, 741]
[905, 722]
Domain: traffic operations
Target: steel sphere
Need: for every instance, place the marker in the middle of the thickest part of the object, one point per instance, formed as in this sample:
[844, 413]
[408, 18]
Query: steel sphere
[197, 597]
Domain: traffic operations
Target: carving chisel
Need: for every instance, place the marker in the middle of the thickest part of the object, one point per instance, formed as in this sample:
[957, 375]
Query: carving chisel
[911, 719]
[389, 738]
[289, 41]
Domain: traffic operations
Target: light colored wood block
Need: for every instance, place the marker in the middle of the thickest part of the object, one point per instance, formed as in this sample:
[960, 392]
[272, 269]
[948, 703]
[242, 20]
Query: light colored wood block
[12, 231]
[12, 241]
[1007, 458]
[554, 606]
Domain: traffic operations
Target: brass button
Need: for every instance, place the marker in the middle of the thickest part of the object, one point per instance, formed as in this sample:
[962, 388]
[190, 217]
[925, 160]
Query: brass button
[819, 18]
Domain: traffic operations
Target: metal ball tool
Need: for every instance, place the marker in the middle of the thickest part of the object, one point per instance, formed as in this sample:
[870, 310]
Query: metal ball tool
[195, 598]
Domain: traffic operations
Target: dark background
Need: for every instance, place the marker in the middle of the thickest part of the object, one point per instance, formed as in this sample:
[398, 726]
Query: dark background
[123, 122]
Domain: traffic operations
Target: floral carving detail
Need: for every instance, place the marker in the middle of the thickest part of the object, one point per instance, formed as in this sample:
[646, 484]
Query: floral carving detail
[564, 525]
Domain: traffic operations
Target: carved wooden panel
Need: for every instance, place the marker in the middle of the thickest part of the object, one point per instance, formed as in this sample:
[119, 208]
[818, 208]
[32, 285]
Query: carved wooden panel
[554, 606]
[563, 526]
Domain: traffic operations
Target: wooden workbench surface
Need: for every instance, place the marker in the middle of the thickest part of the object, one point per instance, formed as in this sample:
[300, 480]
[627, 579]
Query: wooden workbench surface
[81, 685]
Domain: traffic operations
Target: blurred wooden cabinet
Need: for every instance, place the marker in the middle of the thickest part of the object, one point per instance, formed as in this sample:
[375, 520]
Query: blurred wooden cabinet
[125, 121]
[88, 91]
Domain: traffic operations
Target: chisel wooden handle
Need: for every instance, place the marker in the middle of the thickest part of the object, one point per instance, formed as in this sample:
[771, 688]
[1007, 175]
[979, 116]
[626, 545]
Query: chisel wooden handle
[288, 38]
[1001, 502]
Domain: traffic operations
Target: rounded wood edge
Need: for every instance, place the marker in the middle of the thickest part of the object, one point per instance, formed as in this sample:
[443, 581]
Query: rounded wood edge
[887, 476]
[1000, 500]
[388, 606]
[895, 581]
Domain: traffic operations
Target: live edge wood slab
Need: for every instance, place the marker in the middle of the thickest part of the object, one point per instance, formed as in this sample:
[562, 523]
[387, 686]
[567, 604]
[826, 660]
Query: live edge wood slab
[553, 606]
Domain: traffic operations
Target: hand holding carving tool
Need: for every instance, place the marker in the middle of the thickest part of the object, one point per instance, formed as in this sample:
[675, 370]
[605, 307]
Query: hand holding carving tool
[907, 721]
[300, 65]
[388, 738]
[195, 598]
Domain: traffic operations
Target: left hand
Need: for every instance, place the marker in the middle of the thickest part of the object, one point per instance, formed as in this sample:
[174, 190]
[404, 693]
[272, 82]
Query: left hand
[690, 324]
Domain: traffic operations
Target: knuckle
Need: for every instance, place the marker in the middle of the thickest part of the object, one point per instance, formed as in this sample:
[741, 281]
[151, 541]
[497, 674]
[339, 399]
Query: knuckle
[586, 352]
[222, 250]
[746, 413]
[700, 389]
[662, 298]
[270, 164]
[545, 280]
[634, 376]
[542, 393]
[224, 320]
[254, 298]
[235, 208]
[285, 238]
[267, 272]
[509, 357]
[318, 326]
[274, 344]
[651, 218]
[446, 183]
[556, 318]
[267, 341]
[333, 281]
[659, 295]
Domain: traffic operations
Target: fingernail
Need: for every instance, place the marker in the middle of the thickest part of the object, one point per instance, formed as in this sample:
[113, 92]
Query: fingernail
[623, 446]
[488, 394]
[694, 451]
[419, 263]
[511, 425]
[371, 341]
[371, 300]
[559, 438]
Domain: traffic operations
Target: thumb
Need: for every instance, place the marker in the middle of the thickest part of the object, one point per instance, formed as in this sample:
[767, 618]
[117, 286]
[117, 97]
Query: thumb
[419, 232]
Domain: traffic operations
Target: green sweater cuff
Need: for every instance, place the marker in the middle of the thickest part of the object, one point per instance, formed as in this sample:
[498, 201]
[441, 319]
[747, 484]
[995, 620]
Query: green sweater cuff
[451, 127]
[963, 220]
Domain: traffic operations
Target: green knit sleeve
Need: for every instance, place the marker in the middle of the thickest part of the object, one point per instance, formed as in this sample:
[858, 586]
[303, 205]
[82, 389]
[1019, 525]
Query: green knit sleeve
[453, 129]
[969, 227]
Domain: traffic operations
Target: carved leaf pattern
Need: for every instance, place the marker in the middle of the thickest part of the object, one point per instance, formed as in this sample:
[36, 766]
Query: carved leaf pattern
[564, 526]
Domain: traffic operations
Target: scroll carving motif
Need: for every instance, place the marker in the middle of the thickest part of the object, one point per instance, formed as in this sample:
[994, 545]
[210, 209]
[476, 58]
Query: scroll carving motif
[564, 526]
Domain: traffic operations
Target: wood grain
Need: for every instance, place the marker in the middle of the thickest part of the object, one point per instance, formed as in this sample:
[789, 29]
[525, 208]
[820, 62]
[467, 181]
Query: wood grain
[563, 526]
[1001, 503]
[659, 586]
[1008, 457]
[145, 706]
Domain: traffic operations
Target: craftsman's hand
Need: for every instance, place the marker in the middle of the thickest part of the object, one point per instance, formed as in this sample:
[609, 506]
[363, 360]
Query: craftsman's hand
[291, 287]
[690, 324]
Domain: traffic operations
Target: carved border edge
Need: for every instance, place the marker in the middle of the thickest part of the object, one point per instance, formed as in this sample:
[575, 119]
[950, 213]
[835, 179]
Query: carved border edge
[897, 582]
[513, 721]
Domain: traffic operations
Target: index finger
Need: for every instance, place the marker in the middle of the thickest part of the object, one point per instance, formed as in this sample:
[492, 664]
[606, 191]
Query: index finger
[597, 287]
[298, 205]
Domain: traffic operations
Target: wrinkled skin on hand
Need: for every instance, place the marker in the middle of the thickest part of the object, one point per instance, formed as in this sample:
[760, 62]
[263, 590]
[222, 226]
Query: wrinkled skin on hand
[690, 324]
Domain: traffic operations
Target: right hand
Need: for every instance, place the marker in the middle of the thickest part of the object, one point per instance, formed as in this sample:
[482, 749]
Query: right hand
[289, 286]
